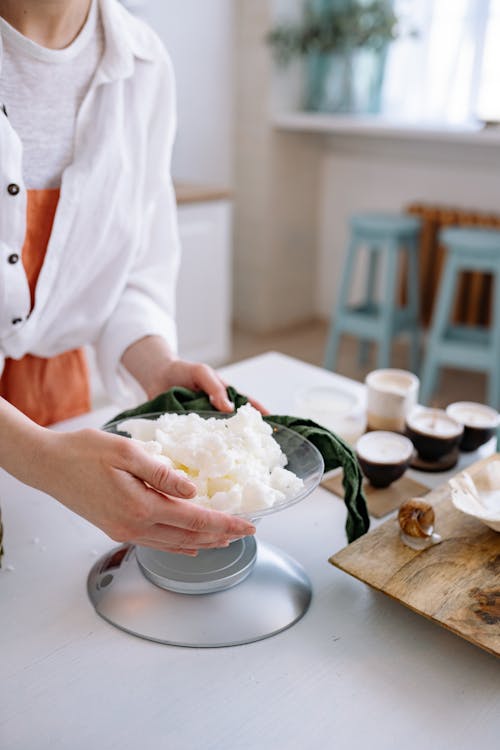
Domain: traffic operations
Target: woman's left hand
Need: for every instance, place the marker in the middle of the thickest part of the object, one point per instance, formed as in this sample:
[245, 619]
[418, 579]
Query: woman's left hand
[151, 363]
[199, 377]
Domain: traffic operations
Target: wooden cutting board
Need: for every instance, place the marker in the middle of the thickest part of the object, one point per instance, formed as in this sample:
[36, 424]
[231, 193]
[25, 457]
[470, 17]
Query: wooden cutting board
[455, 583]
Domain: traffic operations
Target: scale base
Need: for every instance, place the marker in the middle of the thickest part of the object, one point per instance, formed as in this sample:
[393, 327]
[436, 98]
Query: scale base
[210, 571]
[272, 597]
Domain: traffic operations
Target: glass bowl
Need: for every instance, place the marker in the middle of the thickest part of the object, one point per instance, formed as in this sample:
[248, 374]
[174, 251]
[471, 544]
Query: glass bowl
[303, 458]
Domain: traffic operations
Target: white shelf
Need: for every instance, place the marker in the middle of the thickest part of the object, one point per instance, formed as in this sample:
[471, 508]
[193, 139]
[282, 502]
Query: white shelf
[380, 127]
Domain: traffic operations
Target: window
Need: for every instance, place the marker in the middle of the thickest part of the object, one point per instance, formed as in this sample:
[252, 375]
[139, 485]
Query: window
[488, 102]
[449, 72]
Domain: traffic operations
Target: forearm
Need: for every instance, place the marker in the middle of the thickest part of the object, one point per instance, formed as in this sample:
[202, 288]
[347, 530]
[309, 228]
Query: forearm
[22, 445]
[151, 362]
[148, 360]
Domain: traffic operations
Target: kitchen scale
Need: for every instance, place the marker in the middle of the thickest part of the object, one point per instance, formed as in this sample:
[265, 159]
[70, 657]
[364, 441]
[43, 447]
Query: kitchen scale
[223, 597]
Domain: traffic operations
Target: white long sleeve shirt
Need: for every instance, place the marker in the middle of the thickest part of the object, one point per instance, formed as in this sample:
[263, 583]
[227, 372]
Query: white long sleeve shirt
[111, 265]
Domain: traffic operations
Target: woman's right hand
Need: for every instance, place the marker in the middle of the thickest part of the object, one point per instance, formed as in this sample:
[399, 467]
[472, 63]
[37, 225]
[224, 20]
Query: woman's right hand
[130, 495]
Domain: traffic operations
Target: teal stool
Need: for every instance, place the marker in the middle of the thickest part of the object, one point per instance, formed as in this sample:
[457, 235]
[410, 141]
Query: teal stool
[465, 347]
[384, 237]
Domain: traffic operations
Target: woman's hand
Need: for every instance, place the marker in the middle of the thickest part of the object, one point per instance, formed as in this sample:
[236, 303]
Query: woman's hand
[130, 495]
[113, 483]
[151, 363]
[199, 377]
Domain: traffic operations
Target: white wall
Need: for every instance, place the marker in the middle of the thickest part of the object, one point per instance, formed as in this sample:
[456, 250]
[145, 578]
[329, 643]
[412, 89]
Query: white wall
[276, 201]
[199, 37]
[360, 174]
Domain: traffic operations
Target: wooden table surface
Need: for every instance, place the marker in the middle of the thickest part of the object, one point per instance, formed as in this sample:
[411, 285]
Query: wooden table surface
[358, 671]
[188, 192]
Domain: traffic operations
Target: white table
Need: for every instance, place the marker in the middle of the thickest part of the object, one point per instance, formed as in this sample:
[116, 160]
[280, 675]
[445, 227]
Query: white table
[359, 670]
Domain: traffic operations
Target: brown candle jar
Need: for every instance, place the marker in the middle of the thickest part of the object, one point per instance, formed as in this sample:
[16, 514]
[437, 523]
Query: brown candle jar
[433, 433]
[383, 456]
[480, 423]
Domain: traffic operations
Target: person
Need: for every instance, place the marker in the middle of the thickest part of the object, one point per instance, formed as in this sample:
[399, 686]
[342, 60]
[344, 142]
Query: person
[89, 255]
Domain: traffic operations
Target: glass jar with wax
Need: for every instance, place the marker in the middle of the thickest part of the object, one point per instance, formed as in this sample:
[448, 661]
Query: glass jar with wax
[391, 395]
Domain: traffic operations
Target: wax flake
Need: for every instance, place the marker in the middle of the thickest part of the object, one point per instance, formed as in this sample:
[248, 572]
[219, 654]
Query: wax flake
[235, 463]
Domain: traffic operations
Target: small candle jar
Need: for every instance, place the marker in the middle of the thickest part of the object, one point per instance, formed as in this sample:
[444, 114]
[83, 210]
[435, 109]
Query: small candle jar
[433, 432]
[480, 423]
[383, 457]
[340, 411]
[391, 395]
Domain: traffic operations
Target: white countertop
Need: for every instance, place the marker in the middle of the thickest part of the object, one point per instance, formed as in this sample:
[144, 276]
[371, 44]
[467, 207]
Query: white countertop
[359, 670]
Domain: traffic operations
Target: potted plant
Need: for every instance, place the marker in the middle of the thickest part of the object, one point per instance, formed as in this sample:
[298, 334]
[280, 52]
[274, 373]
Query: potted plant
[344, 43]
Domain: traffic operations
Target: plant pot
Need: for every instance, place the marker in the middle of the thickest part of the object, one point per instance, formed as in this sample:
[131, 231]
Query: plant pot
[348, 82]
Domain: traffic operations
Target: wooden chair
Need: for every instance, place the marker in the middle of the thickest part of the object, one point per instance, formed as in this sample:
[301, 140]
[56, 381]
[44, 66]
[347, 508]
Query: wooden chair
[384, 238]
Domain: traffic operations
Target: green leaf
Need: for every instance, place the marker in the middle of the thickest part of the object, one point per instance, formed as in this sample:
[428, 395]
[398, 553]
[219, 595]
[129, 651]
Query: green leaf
[355, 25]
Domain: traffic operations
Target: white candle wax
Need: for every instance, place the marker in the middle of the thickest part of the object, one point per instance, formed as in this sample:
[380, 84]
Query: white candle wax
[434, 422]
[473, 415]
[399, 383]
[384, 447]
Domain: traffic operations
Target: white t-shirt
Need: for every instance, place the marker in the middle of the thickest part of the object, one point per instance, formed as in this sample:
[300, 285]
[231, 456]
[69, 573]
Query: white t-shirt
[42, 90]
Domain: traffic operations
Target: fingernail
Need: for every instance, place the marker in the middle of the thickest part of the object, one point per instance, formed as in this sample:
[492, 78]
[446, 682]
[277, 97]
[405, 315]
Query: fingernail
[246, 530]
[185, 490]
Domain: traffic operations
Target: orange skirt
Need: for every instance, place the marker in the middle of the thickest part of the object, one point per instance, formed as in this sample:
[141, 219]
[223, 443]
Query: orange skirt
[46, 390]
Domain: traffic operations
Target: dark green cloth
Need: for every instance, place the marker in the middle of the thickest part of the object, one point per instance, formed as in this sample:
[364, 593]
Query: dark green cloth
[334, 450]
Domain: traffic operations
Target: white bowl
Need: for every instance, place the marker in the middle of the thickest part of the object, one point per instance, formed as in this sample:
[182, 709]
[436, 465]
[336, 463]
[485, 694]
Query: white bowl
[479, 497]
[335, 408]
